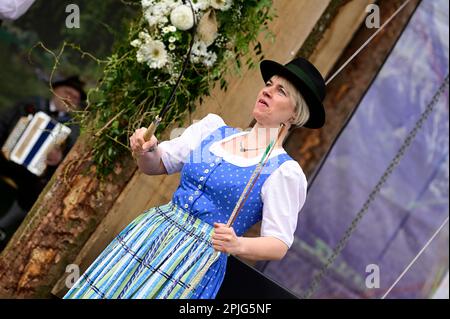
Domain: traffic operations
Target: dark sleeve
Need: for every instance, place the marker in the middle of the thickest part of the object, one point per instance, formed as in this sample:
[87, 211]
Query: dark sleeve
[8, 119]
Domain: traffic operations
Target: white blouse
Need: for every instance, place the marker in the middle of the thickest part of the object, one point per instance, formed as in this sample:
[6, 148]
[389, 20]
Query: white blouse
[283, 193]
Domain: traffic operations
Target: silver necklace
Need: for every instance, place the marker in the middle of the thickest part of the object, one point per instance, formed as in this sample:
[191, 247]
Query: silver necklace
[244, 149]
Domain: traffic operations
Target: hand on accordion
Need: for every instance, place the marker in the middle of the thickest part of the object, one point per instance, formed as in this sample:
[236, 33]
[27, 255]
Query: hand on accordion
[54, 156]
[35, 142]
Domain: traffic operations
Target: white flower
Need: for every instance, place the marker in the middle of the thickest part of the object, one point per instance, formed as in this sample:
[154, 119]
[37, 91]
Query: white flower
[151, 17]
[160, 9]
[210, 60]
[174, 74]
[136, 43]
[202, 5]
[144, 36]
[199, 48]
[153, 52]
[172, 28]
[157, 54]
[163, 20]
[172, 47]
[165, 30]
[182, 18]
[140, 57]
[195, 58]
[146, 3]
[223, 5]
[174, 3]
[156, 12]
[172, 39]
[200, 54]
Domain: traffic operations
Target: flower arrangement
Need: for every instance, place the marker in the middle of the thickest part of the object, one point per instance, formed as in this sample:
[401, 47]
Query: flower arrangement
[140, 76]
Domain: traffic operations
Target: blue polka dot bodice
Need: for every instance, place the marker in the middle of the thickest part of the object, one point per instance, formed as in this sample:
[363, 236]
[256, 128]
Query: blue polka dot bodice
[210, 186]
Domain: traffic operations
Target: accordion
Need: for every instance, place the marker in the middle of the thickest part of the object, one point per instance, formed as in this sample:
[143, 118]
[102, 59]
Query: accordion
[32, 138]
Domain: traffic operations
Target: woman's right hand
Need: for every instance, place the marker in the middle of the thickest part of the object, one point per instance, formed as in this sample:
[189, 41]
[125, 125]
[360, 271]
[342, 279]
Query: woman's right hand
[139, 146]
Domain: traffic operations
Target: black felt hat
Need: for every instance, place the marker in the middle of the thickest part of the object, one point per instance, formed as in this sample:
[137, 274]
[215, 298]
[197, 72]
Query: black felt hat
[308, 81]
[73, 82]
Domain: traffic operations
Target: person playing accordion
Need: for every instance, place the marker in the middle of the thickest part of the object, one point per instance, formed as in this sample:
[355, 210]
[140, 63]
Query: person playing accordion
[35, 136]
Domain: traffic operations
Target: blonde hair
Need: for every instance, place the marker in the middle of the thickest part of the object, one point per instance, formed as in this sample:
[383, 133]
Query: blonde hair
[301, 107]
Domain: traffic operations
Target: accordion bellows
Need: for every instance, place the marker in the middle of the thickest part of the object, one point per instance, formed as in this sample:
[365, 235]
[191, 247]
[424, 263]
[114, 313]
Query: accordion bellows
[31, 140]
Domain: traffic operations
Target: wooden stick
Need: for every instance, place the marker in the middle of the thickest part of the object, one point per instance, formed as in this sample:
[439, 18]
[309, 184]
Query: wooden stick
[151, 129]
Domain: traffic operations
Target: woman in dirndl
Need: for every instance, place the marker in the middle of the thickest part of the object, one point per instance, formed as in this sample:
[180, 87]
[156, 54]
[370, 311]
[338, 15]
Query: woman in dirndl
[230, 180]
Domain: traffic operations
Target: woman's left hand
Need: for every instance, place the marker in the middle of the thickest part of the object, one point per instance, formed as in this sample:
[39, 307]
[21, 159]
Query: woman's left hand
[224, 239]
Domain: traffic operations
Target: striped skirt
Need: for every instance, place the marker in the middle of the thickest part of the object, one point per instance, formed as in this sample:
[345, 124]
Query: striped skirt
[164, 253]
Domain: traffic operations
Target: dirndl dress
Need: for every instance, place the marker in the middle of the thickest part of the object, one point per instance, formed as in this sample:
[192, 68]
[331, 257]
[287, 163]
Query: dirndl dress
[166, 252]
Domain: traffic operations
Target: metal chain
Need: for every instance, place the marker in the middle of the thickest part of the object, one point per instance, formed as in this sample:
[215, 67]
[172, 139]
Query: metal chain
[401, 151]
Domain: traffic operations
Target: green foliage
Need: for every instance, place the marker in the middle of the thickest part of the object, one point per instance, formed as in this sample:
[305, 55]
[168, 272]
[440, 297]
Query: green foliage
[25, 67]
[131, 94]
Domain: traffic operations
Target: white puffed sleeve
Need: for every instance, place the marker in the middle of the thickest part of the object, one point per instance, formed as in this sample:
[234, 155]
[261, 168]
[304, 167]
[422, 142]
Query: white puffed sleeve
[283, 195]
[13, 9]
[175, 152]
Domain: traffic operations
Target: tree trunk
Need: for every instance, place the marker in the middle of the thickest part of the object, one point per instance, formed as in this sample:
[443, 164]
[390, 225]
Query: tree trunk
[62, 219]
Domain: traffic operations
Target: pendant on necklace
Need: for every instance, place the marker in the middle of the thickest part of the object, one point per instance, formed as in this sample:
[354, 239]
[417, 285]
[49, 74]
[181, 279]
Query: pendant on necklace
[243, 149]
